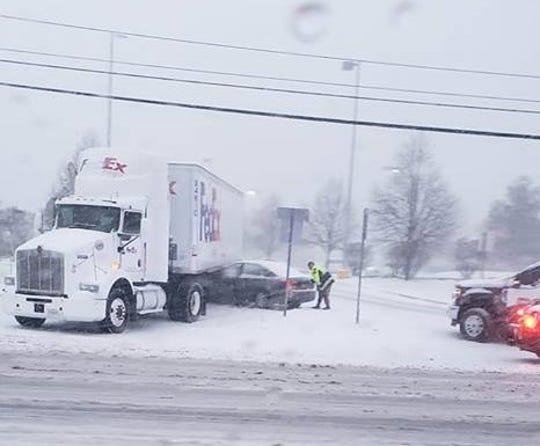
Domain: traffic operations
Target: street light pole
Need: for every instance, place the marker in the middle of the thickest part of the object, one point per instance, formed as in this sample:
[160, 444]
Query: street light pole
[350, 65]
[112, 36]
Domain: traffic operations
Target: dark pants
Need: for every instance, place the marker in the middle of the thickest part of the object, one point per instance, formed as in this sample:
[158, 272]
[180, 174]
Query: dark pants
[324, 295]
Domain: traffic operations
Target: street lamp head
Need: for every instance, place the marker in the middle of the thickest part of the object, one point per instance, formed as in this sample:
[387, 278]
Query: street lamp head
[349, 65]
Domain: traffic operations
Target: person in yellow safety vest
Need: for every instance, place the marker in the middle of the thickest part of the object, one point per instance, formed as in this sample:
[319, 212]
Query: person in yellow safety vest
[323, 281]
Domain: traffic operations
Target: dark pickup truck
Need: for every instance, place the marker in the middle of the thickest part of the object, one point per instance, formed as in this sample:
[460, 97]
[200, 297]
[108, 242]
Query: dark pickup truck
[483, 309]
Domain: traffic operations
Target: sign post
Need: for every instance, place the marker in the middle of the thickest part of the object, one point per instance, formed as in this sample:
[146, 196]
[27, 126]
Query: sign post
[361, 265]
[292, 220]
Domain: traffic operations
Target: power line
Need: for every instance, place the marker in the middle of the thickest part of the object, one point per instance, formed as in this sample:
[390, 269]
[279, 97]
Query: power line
[270, 89]
[248, 112]
[274, 78]
[266, 50]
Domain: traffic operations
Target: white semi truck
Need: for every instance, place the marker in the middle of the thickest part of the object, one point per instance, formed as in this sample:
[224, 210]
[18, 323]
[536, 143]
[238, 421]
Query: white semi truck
[133, 239]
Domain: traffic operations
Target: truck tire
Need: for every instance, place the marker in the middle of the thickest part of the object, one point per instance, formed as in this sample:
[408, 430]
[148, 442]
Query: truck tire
[476, 324]
[117, 312]
[187, 304]
[29, 322]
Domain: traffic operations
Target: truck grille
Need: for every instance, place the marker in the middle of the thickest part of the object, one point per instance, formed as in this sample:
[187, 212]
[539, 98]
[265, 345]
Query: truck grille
[40, 272]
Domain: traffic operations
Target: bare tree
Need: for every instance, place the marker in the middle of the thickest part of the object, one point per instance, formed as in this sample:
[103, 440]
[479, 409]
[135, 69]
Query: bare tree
[16, 226]
[264, 230]
[414, 213]
[328, 223]
[65, 182]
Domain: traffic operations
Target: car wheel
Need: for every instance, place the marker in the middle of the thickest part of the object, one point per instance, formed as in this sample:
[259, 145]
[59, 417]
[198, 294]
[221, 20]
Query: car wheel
[476, 325]
[117, 316]
[261, 301]
[29, 322]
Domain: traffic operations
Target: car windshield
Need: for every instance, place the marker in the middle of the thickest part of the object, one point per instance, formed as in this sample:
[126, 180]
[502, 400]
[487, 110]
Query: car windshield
[96, 218]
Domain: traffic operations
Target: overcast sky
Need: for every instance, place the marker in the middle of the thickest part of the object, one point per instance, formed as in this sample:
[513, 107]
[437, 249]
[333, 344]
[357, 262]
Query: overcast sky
[39, 130]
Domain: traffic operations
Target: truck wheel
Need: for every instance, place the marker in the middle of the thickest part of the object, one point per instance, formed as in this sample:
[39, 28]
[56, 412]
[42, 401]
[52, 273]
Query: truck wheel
[187, 304]
[29, 322]
[476, 325]
[117, 316]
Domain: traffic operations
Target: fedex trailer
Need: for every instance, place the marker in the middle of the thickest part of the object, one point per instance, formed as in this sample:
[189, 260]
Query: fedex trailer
[132, 240]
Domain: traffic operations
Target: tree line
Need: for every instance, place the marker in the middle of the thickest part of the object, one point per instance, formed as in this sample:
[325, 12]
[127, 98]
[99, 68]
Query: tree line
[414, 217]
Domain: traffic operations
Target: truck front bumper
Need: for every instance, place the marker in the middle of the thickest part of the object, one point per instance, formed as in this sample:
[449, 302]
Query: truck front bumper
[80, 307]
[452, 312]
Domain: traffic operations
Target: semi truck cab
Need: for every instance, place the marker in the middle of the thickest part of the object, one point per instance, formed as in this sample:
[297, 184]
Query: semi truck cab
[68, 273]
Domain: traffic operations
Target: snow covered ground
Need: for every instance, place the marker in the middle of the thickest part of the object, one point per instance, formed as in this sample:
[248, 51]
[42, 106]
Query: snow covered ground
[403, 324]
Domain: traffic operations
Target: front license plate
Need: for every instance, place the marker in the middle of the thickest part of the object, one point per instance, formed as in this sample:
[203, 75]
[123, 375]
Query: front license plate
[39, 308]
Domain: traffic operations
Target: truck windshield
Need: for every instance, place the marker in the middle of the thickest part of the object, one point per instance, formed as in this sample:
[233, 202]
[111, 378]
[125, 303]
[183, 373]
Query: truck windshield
[95, 218]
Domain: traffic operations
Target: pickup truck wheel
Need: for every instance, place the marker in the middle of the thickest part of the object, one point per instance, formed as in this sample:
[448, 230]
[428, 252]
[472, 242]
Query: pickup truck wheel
[187, 304]
[476, 325]
[117, 316]
[29, 322]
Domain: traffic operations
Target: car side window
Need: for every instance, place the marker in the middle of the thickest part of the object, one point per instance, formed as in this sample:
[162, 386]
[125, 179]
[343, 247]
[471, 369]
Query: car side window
[251, 269]
[132, 223]
[529, 277]
[535, 277]
[231, 271]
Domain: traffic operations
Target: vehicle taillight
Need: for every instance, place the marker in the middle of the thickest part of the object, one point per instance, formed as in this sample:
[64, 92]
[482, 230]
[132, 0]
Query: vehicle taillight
[529, 321]
[520, 311]
[292, 283]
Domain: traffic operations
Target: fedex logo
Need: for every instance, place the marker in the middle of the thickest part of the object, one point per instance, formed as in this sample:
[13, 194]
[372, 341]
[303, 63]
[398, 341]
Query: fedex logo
[114, 165]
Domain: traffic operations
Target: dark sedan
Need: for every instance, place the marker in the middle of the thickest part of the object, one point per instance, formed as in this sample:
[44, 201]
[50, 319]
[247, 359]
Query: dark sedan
[258, 284]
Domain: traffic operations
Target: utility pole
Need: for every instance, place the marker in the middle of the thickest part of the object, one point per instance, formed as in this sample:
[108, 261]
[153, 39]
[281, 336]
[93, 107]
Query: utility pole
[350, 65]
[109, 92]
[483, 254]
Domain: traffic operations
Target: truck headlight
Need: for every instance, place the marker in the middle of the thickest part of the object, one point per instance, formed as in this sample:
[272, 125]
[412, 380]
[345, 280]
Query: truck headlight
[456, 295]
[90, 287]
[9, 281]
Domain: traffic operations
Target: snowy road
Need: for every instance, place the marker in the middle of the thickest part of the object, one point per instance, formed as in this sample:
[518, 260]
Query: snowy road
[76, 398]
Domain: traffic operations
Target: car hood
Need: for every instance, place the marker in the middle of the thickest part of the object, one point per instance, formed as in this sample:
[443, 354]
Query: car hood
[484, 283]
